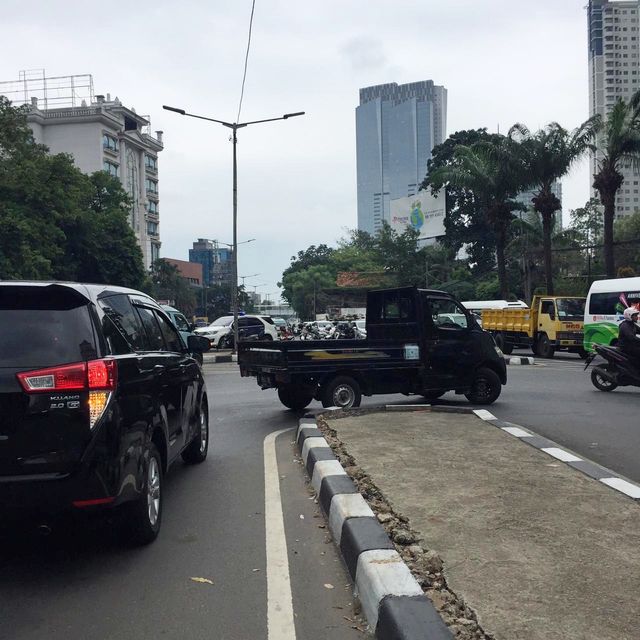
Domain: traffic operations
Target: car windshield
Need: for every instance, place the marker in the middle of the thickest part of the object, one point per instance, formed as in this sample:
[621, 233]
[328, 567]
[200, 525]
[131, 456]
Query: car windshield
[570, 308]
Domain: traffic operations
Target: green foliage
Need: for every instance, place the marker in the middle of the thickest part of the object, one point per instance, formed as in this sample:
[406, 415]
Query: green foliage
[55, 221]
[166, 283]
[304, 288]
[488, 289]
[618, 145]
[465, 222]
[627, 236]
[587, 222]
[494, 173]
[548, 155]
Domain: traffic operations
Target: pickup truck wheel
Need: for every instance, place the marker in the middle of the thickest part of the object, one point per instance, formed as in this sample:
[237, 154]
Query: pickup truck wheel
[545, 348]
[507, 348]
[343, 392]
[294, 397]
[486, 387]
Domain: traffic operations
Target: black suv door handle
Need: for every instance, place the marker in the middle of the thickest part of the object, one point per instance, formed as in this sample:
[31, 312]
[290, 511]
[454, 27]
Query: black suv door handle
[158, 368]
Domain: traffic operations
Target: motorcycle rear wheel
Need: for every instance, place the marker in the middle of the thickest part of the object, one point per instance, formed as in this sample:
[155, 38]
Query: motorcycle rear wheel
[600, 383]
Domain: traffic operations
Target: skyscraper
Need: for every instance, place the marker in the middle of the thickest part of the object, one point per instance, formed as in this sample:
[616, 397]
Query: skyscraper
[216, 261]
[397, 127]
[614, 73]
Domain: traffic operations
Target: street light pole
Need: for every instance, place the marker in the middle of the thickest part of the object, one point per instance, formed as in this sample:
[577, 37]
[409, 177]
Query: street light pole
[234, 126]
[234, 300]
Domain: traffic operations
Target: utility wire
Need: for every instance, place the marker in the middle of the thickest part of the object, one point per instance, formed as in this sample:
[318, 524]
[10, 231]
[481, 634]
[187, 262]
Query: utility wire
[246, 59]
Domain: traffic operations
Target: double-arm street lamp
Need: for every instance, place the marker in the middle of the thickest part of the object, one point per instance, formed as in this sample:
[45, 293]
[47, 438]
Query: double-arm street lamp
[234, 126]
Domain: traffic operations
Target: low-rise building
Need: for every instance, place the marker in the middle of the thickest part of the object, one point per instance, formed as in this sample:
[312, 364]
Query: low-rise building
[102, 135]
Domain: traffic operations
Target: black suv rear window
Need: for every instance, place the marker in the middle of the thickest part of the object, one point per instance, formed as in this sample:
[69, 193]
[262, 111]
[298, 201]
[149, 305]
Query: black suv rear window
[44, 326]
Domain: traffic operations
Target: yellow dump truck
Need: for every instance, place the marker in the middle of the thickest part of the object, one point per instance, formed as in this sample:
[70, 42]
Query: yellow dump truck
[552, 323]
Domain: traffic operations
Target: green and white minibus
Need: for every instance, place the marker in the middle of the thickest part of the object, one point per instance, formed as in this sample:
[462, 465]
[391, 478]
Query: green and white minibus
[606, 303]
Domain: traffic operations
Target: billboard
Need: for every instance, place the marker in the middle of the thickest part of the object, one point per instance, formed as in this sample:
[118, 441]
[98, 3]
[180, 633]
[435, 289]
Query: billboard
[422, 212]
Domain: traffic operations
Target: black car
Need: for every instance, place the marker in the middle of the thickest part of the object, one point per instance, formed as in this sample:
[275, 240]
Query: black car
[99, 395]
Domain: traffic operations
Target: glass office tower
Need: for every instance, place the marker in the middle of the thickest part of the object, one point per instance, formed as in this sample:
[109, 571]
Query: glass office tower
[397, 127]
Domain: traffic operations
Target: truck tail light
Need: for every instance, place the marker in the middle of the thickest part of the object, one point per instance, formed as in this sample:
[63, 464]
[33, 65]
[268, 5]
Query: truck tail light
[99, 377]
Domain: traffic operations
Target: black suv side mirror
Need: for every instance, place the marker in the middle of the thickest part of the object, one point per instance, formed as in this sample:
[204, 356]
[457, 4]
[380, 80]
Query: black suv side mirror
[198, 344]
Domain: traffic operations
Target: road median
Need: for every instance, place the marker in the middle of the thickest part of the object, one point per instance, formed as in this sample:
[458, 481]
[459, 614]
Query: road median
[507, 541]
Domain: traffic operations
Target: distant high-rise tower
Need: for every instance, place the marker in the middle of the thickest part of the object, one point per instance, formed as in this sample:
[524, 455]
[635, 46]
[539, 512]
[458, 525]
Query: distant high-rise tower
[614, 72]
[397, 127]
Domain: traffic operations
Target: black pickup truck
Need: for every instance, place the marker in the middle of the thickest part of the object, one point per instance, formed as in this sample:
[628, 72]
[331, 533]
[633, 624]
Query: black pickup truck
[419, 342]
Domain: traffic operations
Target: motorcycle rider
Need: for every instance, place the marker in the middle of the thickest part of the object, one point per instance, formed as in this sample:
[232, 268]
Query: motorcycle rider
[628, 339]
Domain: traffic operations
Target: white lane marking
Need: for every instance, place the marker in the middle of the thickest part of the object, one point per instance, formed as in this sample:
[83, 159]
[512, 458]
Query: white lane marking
[280, 622]
[628, 488]
[311, 443]
[517, 432]
[379, 573]
[561, 454]
[484, 414]
[343, 506]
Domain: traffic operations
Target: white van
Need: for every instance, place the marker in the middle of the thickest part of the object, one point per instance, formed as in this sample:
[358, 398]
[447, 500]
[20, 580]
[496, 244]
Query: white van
[605, 305]
[478, 305]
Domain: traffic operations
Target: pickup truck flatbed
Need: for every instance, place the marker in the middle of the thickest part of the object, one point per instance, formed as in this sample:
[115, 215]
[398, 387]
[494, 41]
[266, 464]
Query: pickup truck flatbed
[418, 342]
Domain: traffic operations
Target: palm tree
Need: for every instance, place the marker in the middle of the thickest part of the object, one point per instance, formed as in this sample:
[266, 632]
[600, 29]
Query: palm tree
[494, 173]
[618, 145]
[548, 155]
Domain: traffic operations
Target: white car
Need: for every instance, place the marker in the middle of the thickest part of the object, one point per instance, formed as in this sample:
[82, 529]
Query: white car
[250, 327]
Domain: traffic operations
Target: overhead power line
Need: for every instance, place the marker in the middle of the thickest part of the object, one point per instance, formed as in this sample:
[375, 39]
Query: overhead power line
[246, 60]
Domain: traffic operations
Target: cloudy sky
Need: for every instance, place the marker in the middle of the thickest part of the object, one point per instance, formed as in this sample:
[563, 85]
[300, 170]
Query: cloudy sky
[502, 61]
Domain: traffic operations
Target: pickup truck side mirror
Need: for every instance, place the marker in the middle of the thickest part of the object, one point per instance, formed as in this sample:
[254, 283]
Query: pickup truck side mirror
[198, 344]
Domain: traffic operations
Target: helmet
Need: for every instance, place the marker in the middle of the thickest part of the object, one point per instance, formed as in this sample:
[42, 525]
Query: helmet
[629, 312]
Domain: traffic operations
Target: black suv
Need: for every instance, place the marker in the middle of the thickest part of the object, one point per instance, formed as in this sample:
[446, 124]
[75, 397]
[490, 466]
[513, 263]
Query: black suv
[98, 396]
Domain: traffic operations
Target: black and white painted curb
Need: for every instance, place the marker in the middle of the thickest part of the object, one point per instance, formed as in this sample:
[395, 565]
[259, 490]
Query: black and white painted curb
[593, 470]
[519, 360]
[392, 600]
[211, 358]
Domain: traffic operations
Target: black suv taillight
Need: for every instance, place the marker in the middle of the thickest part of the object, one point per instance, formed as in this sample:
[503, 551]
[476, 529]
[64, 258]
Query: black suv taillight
[99, 377]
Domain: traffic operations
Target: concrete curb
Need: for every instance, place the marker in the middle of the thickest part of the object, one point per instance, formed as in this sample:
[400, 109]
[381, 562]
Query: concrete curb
[392, 600]
[593, 470]
[519, 360]
[216, 359]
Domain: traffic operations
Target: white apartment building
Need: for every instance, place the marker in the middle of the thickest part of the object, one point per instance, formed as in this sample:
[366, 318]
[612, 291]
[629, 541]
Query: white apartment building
[100, 134]
[614, 73]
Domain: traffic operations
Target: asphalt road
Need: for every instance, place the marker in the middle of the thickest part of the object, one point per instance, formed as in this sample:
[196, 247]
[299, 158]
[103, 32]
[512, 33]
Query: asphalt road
[80, 583]
[555, 399]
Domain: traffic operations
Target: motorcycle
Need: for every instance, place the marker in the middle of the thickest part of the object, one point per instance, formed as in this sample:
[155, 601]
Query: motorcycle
[618, 371]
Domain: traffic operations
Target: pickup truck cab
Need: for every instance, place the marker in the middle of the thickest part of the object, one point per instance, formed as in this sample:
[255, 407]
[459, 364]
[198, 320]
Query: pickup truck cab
[418, 341]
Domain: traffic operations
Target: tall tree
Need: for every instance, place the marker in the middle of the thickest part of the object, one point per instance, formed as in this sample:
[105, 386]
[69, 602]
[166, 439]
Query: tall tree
[465, 223]
[548, 155]
[494, 173]
[55, 221]
[166, 283]
[618, 146]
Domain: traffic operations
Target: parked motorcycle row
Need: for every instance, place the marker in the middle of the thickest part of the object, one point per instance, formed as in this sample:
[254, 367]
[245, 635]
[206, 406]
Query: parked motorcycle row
[323, 330]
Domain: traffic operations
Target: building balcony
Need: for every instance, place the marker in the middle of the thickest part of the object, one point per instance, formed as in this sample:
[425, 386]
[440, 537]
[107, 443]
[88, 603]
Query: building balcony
[153, 171]
[153, 195]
